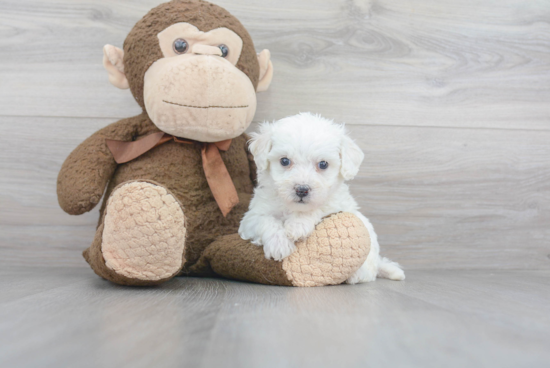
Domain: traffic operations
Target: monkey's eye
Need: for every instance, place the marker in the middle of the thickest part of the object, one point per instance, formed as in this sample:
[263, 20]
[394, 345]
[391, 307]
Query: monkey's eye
[224, 49]
[323, 165]
[180, 46]
[285, 161]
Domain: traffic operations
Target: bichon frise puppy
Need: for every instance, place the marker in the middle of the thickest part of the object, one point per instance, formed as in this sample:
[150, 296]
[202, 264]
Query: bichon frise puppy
[303, 162]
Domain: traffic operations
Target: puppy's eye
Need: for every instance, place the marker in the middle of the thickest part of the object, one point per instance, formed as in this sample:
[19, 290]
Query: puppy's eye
[180, 46]
[285, 161]
[224, 49]
[323, 165]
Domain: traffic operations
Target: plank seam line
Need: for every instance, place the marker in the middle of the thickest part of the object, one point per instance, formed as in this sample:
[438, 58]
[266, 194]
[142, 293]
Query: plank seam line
[258, 121]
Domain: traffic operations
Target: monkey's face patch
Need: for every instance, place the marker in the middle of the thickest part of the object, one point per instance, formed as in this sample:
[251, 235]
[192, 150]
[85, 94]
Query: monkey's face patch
[196, 91]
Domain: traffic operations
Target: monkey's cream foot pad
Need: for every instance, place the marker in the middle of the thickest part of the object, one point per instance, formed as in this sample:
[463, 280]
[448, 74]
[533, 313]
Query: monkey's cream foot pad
[336, 249]
[144, 233]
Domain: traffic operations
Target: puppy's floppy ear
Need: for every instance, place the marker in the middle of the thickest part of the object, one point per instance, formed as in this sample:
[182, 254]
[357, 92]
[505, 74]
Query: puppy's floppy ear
[352, 156]
[260, 145]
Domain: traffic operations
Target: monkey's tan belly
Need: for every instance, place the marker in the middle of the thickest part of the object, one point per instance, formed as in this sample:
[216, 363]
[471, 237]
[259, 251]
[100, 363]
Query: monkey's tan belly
[178, 167]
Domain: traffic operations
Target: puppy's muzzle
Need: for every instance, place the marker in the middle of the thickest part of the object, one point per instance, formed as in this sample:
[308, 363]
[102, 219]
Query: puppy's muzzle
[302, 190]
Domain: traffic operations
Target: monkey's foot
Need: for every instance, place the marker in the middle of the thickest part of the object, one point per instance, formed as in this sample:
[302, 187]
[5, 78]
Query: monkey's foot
[339, 245]
[144, 232]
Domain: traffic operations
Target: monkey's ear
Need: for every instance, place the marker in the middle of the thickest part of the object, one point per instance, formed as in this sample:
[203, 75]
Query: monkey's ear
[352, 157]
[113, 63]
[260, 145]
[266, 71]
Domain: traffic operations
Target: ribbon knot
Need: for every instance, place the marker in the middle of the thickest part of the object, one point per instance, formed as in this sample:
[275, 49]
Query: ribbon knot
[216, 173]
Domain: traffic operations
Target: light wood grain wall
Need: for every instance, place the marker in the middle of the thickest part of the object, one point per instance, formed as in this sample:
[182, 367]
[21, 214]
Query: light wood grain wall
[449, 99]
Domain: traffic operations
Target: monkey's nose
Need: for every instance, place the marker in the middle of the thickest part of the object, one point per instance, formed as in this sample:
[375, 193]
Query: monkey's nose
[302, 190]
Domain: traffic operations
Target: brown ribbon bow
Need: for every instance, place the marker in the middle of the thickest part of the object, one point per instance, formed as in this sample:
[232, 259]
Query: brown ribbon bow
[218, 178]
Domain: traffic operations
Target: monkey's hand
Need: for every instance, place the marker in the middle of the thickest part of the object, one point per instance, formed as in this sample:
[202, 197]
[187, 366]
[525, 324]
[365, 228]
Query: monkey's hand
[84, 175]
[86, 172]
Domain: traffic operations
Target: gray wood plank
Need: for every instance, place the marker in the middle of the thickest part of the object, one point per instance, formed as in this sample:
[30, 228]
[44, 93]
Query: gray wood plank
[438, 197]
[374, 326]
[392, 62]
[433, 319]
[18, 282]
[52, 246]
[457, 198]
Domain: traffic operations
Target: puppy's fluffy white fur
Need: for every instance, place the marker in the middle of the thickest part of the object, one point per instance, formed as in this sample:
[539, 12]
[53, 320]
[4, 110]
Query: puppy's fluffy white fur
[277, 216]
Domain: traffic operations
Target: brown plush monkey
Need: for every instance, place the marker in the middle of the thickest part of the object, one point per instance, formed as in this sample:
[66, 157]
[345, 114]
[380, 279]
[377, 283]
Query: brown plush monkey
[178, 177]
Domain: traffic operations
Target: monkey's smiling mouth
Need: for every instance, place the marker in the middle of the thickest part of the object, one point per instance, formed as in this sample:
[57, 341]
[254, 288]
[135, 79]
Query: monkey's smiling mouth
[206, 107]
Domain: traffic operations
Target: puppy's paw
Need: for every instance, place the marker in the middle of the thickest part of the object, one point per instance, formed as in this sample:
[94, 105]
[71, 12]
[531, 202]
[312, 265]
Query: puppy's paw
[365, 273]
[297, 229]
[278, 246]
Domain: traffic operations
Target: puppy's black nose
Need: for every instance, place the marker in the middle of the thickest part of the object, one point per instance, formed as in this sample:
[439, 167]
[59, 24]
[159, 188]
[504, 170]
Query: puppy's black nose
[302, 190]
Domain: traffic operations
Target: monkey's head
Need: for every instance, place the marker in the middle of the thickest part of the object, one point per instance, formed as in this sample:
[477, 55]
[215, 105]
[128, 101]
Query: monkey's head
[193, 68]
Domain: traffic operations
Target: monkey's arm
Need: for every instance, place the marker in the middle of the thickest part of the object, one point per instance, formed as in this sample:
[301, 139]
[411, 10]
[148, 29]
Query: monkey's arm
[251, 163]
[85, 173]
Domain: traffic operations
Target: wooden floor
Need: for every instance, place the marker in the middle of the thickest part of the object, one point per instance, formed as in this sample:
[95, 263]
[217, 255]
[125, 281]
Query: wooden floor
[70, 318]
[449, 99]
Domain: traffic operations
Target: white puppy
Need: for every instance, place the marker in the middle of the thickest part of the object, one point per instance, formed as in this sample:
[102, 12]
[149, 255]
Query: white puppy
[303, 161]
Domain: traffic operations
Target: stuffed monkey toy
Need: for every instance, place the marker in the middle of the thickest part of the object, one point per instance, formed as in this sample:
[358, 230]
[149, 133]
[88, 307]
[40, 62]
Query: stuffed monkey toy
[178, 178]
